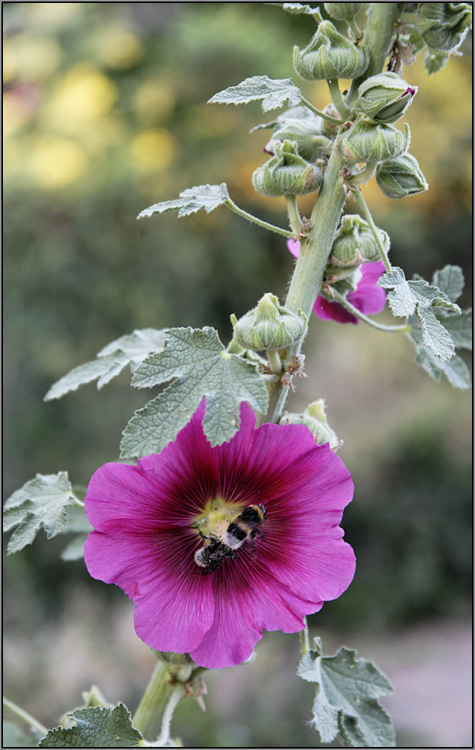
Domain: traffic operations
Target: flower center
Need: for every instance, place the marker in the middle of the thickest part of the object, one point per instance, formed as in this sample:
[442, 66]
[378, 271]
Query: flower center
[216, 517]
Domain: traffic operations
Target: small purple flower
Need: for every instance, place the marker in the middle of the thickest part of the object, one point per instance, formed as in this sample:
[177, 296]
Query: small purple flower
[367, 297]
[147, 520]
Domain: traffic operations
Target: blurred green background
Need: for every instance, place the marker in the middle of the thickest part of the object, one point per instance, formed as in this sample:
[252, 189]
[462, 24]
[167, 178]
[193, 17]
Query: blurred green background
[105, 113]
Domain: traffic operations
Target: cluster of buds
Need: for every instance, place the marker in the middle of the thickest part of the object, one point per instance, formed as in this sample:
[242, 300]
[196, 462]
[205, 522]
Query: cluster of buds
[302, 127]
[269, 326]
[367, 142]
[287, 173]
[354, 244]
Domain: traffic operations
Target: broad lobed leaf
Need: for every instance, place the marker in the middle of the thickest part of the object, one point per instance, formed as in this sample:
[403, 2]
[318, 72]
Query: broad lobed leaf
[272, 92]
[39, 504]
[346, 702]
[200, 367]
[128, 350]
[96, 727]
[190, 201]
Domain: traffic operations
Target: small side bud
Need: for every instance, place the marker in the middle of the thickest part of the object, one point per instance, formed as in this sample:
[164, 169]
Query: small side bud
[355, 243]
[399, 177]
[303, 129]
[315, 419]
[287, 173]
[366, 142]
[269, 326]
[443, 26]
[385, 97]
[342, 11]
[329, 55]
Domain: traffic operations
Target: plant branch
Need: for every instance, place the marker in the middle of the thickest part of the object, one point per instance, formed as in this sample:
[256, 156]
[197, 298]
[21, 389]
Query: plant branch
[337, 297]
[293, 213]
[323, 115]
[366, 212]
[284, 232]
[25, 716]
[337, 98]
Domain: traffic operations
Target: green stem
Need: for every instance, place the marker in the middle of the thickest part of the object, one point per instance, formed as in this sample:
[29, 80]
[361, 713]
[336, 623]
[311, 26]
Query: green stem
[337, 297]
[362, 204]
[25, 716]
[355, 29]
[154, 701]
[293, 212]
[364, 174]
[78, 503]
[275, 362]
[284, 232]
[337, 98]
[304, 639]
[176, 696]
[323, 115]
[376, 42]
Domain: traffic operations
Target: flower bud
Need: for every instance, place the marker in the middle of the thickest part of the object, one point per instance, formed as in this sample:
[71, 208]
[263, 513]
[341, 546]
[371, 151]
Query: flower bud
[342, 11]
[385, 97]
[329, 55]
[303, 129]
[366, 142]
[399, 177]
[355, 243]
[269, 326]
[315, 419]
[443, 26]
[287, 173]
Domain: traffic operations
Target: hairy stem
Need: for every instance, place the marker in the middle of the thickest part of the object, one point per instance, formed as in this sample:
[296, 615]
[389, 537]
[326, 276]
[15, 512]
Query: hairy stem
[154, 701]
[240, 212]
[337, 98]
[293, 213]
[323, 115]
[30, 720]
[366, 213]
[337, 297]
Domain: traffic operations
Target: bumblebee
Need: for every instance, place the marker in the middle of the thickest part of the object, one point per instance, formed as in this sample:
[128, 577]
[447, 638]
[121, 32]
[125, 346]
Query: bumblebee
[244, 526]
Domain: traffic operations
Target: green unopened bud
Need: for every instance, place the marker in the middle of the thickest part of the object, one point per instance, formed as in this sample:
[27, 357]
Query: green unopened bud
[355, 243]
[329, 55]
[399, 177]
[315, 419]
[366, 142]
[443, 26]
[269, 326]
[342, 11]
[385, 97]
[303, 129]
[287, 173]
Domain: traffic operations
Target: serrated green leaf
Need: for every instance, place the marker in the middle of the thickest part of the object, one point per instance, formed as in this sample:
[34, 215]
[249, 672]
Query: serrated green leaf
[400, 298]
[346, 700]
[200, 367]
[78, 525]
[130, 350]
[190, 201]
[450, 280]
[272, 92]
[298, 9]
[434, 335]
[455, 369]
[96, 727]
[460, 328]
[40, 503]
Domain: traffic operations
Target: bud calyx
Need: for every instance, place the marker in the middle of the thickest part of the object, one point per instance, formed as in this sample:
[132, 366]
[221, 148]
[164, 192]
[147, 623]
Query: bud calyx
[329, 55]
[399, 177]
[385, 97]
[287, 173]
[269, 326]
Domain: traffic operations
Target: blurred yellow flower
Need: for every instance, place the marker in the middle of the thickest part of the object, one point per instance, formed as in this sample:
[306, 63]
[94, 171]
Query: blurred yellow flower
[56, 162]
[30, 59]
[117, 48]
[153, 149]
[52, 14]
[82, 95]
[154, 101]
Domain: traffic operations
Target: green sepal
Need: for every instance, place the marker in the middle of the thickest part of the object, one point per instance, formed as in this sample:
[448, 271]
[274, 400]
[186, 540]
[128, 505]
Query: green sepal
[367, 142]
[400, 177]
[444, 26]
[286, 173]
[385, 97]
[329, 55]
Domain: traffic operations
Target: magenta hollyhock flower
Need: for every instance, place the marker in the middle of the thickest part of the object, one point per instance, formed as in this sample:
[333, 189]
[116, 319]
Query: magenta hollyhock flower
[146, 520]
[367, 297]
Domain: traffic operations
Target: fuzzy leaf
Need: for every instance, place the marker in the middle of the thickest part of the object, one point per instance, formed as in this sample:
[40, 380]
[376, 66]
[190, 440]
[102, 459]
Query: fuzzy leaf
[40, 503]
[130, 350]
[190, 201]
[435, 61]
[346, 701]
[299, 9]
[450, 280]
[455, 369]
[272, 92]
[434, 335]
[460, 328]
[78, 525]
[96, 727]
[406, 296]
[200, 367]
